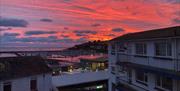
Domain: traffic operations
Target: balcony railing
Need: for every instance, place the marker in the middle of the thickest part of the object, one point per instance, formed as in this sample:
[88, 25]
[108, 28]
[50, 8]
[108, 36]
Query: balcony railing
[159, 62]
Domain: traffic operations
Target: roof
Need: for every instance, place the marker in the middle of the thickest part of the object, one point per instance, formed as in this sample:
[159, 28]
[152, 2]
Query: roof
[156, 33]
[17, 67]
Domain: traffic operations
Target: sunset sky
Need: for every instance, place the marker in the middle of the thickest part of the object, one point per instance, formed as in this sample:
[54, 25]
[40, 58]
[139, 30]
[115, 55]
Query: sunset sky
[63, 23]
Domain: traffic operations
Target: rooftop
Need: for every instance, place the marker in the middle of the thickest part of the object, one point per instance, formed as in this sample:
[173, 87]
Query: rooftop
[156, 33]
[17, 67]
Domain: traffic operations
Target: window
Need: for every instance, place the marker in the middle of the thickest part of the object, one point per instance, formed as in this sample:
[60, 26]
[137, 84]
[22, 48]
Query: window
[141, 77]
[121, 48]
[113, 49]
[163, 48]
[33, 85]
[141, 48]
[121, 68]
[7, 87]
[164, 83]
[113, 87]
[113, 68]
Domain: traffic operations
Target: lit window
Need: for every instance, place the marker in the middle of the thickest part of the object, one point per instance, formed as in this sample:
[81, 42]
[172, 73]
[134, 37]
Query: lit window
[141, 48]
[164, 83]
[141, 77]
[163, 48]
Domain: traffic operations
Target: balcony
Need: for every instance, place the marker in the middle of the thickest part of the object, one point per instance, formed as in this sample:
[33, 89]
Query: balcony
[159, 62]
[158, 65]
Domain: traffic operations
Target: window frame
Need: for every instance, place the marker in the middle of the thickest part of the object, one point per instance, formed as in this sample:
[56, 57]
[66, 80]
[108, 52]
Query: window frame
[165, 43]
[161, 85]
[145, 77]
[121, 47]
[143, 46]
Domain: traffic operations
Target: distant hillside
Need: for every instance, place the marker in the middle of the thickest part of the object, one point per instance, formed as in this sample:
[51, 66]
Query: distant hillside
[98, 46]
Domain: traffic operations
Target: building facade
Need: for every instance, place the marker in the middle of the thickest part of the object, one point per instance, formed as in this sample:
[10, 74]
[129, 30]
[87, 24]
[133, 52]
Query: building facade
[24, 74]
[145, 61]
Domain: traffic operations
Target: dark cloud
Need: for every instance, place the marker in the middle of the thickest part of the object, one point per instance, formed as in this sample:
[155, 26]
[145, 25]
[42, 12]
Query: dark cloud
[65, 36]
[11, 34]
[13, 22]
[139, 23]
[111, 35]
[118, 30]
[37, 39]
[81, 34]
[177, 13]
[81, 40]
[96, 25]
[66, 28]
[84, 32]
[4, 29]
[176, 20]
[45, 39]
[50, 39]
[9, 37]
[46, 20]
[84, 8]
[39, 32]
[65, 1]
[53, 37]
[173, 1]
[120, 0]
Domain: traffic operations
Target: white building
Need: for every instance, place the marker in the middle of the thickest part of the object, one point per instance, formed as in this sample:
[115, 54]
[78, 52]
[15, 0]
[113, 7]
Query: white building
[24, 74]
[145, 61]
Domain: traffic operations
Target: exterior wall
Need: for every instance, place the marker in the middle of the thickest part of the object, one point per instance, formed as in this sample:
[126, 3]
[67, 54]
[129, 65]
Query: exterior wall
[151, 59]
[20, 84]
[112, 60]
[44, 82]
[170, 63]
[23, 84]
